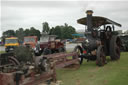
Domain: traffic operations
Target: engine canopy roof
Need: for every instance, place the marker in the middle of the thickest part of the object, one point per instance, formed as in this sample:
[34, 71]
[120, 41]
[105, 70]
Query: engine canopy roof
[98, 21]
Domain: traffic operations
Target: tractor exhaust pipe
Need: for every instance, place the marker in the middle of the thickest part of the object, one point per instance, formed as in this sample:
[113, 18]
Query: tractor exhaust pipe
[89, 20]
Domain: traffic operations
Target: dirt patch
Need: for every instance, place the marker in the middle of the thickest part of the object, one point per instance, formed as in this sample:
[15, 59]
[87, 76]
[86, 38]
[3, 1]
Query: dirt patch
[78, 82]
[105, 82]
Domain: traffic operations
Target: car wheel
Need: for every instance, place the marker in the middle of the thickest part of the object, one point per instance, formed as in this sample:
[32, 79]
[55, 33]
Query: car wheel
[61, 49]
[79, 51]
[46, 51]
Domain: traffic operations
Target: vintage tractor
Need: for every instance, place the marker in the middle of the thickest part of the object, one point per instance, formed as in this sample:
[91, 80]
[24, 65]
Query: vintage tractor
[49, 44]
[101, 39]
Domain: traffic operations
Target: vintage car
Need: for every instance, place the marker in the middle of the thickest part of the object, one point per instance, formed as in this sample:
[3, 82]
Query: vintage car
[48, 44]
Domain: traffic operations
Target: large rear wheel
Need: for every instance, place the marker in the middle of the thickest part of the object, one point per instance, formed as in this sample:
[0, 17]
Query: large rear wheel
[115, 44]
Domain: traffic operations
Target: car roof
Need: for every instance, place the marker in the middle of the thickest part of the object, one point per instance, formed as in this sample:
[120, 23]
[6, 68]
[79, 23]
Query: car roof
[98, 21]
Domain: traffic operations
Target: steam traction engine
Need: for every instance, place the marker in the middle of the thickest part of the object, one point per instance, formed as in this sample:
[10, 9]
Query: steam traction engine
[101, 39]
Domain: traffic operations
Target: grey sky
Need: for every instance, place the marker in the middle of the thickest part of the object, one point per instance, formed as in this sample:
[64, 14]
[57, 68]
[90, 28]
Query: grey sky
[26, 14]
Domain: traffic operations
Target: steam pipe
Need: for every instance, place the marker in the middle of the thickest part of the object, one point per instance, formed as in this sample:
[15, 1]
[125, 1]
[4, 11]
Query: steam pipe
[89, 20]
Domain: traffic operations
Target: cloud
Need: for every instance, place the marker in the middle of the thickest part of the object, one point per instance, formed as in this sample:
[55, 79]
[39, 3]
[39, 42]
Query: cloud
[16, 14]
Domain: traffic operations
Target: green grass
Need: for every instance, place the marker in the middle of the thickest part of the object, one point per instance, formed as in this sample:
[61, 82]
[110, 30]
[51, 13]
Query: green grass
[2, 52]
[113, 73]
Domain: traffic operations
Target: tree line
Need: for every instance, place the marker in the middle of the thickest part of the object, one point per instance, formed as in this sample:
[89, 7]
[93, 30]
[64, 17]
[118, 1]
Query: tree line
[61, 31]
[20, 33]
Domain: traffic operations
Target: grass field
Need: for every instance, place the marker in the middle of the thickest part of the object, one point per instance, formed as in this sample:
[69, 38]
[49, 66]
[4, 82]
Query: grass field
[113, 73]
[2, 52]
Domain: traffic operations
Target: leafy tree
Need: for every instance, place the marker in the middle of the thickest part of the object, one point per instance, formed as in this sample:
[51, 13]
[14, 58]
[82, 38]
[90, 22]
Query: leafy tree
[27, 32]
[58, 32]
[51, 31]
[46, 27]
[20, 34]
[9, 33]
[34, 32]
[63, 32]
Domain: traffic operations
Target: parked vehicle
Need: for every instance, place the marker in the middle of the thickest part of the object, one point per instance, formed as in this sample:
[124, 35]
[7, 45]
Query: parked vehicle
[1, 41]
[49, 44]
[11, 43]
[124, 39]
[30, 41]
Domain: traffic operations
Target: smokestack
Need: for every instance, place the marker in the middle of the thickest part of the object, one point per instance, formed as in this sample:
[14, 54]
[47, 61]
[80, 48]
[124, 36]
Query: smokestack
[89, 19]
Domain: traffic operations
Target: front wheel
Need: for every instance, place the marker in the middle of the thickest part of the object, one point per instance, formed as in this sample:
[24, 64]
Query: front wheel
[79, 51]
[101, 58]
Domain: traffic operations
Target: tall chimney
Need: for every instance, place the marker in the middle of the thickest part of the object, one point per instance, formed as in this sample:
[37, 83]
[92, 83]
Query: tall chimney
[89, 19]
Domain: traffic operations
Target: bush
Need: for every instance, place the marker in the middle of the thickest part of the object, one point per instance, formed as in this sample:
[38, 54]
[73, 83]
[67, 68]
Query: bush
[23, 54]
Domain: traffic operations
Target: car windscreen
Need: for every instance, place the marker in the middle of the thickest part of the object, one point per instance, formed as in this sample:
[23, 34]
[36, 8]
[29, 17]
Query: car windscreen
[44, 39]
[52, 38]
[29, 39]
[7, 41]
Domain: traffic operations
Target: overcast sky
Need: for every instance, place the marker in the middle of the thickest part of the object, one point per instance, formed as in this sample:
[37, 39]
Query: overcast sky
[26, 14]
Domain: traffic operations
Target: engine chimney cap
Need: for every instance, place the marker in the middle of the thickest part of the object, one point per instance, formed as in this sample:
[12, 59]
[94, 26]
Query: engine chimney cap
[89, 12]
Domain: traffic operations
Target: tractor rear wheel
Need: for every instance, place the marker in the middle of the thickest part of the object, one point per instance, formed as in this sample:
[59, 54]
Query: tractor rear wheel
[101, 58]
[115, 43]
